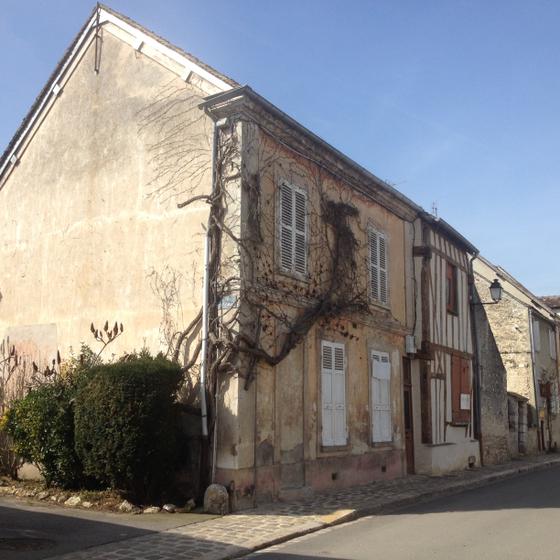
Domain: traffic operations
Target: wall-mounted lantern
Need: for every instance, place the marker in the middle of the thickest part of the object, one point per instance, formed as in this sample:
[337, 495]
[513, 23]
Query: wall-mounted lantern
[496, 292]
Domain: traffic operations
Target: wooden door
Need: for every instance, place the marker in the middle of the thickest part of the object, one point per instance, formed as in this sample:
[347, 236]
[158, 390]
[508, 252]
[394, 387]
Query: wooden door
[408, 417]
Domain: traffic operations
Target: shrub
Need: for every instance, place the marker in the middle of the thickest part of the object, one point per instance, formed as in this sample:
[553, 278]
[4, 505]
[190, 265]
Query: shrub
[125, 424]
[41, 425]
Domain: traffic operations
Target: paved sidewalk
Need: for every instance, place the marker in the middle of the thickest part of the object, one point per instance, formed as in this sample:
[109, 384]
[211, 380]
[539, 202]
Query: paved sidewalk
[239, 534]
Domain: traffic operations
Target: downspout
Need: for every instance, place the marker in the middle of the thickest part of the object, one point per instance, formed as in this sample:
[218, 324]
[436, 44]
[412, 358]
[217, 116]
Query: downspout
[218, 124]
[204, 348]
[533, 366]
[476, 362]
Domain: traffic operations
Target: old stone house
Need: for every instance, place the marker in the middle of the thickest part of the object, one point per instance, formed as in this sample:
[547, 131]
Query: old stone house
[524, 332]
[303, 294]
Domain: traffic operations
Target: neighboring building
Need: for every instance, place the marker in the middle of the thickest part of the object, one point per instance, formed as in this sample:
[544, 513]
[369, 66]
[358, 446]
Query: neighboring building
[525, 332]
[553, 302]
[442, 369]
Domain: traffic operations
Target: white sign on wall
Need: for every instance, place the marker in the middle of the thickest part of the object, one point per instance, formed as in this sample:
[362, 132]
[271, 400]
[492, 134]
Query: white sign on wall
[465, 401]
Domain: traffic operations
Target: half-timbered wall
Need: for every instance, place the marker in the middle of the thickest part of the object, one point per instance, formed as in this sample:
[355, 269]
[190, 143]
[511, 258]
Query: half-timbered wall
[442, 385]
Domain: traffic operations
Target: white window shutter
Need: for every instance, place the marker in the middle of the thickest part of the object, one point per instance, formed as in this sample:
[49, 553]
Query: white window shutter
[379, 281]
[383, 287]
[333, 394]
[552, 343]
[286, 226]
[381, 397]
[373, 264]
[293, 229]
[339, 397]
[300, 232]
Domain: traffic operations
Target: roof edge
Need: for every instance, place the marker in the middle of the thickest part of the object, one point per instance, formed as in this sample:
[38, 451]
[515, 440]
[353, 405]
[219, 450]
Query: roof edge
[505, 275]
[217, 99]
[59, 72]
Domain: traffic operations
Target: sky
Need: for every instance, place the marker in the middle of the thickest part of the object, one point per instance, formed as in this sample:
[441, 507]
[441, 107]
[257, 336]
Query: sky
[453, 102]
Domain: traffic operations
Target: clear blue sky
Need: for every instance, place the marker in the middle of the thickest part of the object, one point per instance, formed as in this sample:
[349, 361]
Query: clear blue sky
[451, 101]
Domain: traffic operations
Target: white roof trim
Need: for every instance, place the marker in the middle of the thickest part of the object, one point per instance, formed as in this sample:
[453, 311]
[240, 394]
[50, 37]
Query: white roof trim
[170, 53]
[141, 38]
[46, 98]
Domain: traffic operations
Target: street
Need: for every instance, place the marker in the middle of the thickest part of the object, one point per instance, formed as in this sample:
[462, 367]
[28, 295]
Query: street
[515, 519]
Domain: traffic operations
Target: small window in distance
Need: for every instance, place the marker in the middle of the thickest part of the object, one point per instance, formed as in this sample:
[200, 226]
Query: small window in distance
[452, 299]
[552, 343]
[536, 335]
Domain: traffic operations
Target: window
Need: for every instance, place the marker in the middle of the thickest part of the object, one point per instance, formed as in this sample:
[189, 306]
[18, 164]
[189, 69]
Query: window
[382, 425]
[333, 393]
[378, 274]
[460, 390]
[536, 335]
[452, 294]
[552, 343]
[293, 229]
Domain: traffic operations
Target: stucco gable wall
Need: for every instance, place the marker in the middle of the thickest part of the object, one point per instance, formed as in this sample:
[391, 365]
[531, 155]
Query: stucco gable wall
[82, 229]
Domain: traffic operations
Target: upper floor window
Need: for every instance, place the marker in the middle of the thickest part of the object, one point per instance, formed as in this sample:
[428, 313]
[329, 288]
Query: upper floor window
[293, 229]
[552, 343]
[378, 268]
[452, 291]
[536, 335]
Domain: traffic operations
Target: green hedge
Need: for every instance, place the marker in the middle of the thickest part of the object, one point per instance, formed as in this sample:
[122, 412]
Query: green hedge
[126, 424]
[42, 428]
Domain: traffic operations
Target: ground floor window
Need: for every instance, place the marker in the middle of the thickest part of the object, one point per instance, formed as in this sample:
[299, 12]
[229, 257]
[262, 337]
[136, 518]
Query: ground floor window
[382, 425]
[333, 394]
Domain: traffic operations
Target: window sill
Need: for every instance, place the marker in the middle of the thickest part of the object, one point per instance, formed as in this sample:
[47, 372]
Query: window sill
[379, 305]
[303, 278]
[382, 445]
[328, 449]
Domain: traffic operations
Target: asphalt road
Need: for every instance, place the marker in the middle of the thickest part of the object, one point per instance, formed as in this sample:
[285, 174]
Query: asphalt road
[515, 519]
[31, 531]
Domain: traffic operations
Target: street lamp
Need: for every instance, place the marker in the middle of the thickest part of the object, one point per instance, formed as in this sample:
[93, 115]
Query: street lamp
[496, 291]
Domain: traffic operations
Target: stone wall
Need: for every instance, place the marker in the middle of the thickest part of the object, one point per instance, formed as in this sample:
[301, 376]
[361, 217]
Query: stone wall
[493, 391]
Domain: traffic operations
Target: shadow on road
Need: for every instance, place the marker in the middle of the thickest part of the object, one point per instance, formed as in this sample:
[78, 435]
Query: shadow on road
[33, 535]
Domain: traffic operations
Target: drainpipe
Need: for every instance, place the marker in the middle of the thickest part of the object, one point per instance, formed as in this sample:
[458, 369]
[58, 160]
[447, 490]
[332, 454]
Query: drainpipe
[206, 288]
[535, 381]
[476, 361]
[203, 350]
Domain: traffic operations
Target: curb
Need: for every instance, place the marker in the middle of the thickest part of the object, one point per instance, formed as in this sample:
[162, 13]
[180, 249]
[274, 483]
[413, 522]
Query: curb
[421, 497]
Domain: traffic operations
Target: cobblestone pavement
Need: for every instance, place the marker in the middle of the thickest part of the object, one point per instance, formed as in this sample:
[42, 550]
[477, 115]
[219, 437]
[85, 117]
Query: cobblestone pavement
[238, 534]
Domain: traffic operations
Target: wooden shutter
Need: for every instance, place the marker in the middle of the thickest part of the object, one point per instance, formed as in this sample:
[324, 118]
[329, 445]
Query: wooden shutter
[452, 295]
[382, 424]
[460, 390]
[379, 281]
[293, 229]
[333, 394]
